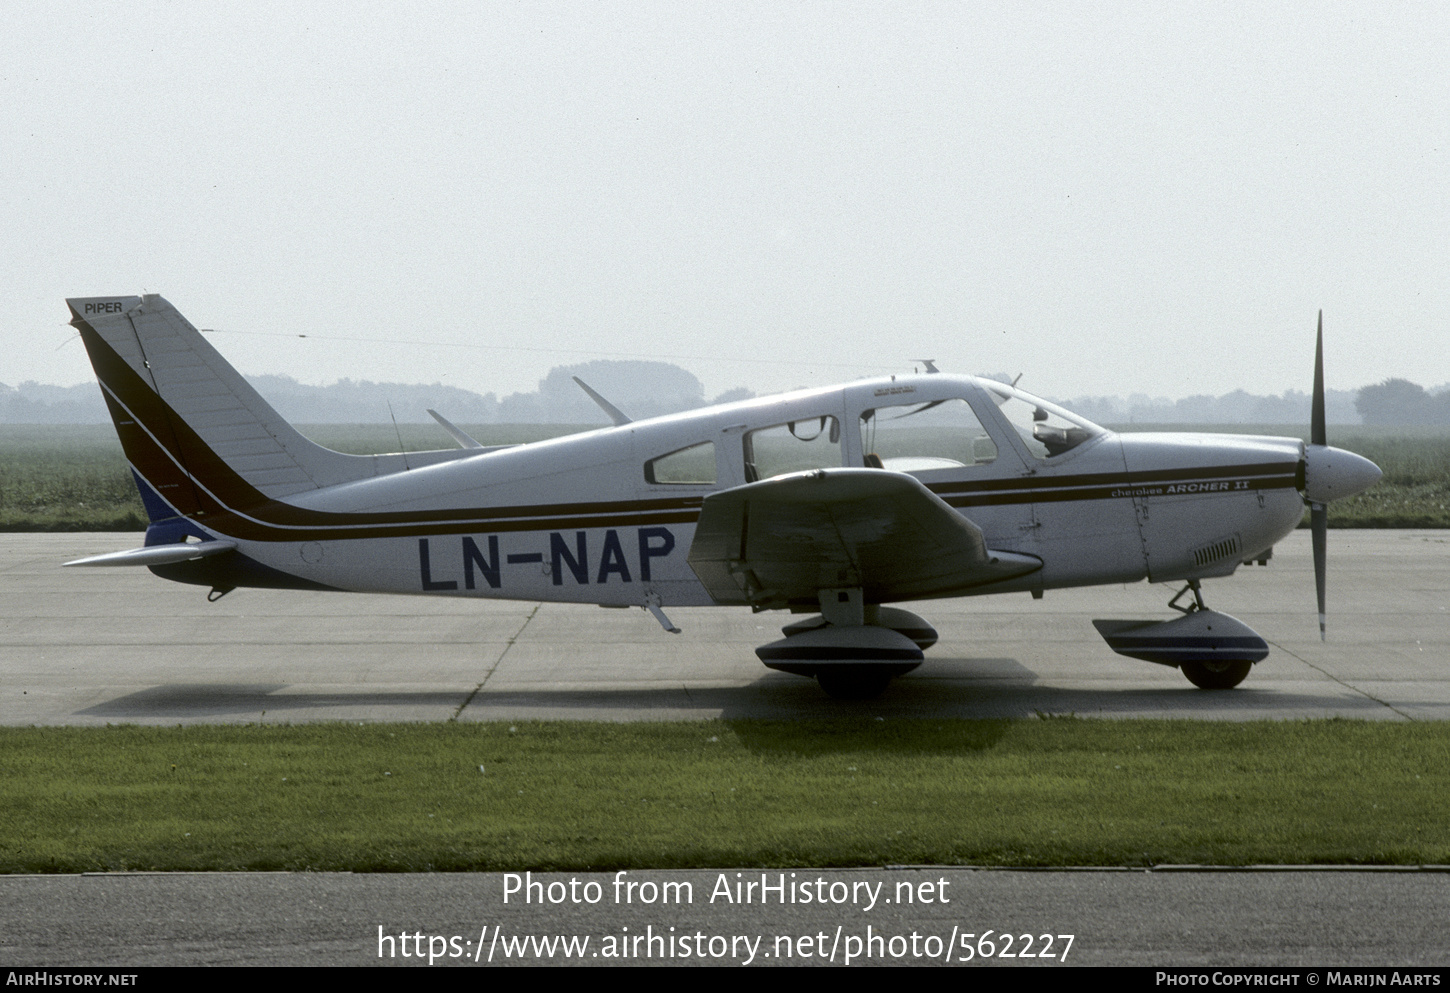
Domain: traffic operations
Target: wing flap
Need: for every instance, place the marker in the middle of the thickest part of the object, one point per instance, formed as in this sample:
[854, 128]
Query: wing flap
[783, 539]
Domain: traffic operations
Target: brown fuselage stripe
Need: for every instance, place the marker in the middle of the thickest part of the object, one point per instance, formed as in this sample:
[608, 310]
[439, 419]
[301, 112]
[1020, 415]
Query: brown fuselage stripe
[220, 499]
[1125, 478]
[1243, 479]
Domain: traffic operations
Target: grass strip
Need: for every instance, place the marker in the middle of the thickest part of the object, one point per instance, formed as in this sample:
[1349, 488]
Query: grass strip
[853, 791]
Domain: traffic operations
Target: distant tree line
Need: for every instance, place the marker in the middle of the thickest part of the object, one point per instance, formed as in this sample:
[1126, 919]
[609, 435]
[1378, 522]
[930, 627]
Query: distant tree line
[646, 389]
[1395, 401]
[638, 388]
[1399, 401]
[1238, 407]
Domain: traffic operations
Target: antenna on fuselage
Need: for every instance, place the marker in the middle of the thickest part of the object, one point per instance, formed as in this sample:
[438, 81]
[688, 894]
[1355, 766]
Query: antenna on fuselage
[399, 433]
[930, 365]
[464, 439]
[615, 414]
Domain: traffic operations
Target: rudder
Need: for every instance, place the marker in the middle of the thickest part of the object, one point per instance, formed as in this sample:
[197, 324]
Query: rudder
[191, 426]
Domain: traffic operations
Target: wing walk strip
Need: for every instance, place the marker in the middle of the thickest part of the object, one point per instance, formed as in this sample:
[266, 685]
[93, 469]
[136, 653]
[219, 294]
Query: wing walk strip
[185, 472]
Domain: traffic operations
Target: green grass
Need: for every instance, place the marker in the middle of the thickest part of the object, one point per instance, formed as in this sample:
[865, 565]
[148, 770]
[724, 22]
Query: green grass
[1415, 490]
[74, 477]
[66, 477]
[852, 791]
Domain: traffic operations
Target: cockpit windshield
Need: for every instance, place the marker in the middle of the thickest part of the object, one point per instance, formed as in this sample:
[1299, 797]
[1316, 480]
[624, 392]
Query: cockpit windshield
[1047, 429]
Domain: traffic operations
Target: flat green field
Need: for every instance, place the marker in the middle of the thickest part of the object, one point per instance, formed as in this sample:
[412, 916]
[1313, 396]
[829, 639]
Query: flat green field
[852, 791]
[74, 477]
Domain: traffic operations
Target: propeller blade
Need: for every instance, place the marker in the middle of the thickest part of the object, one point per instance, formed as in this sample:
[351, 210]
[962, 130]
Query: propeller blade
[1319, 524]
[1319, 512]
[1317, 434]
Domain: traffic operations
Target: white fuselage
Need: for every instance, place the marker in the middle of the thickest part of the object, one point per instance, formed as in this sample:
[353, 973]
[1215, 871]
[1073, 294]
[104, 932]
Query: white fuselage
[587, 518]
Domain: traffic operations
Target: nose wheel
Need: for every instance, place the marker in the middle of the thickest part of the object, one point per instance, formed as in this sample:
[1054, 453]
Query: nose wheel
[854, 661]
[1209, 674]
[1216, 675]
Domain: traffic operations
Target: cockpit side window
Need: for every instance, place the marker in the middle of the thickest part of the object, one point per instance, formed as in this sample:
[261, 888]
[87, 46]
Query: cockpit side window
[693, 466]
[807, 443]
[919, 437]
[1045, 428]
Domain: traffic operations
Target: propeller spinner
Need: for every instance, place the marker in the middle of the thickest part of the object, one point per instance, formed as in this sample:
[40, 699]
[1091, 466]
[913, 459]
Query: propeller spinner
[1329, 474]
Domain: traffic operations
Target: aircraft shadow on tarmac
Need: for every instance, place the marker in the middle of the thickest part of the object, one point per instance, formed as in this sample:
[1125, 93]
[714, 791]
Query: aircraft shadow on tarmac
[952, 688]
[182, 701]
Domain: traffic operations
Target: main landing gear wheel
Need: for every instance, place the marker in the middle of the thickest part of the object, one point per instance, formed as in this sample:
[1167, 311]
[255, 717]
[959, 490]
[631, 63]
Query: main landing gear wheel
[1216, 675]
[850, 663]
[857, 682]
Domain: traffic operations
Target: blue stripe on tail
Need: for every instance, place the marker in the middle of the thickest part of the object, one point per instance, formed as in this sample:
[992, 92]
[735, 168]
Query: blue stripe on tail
[168, 526]
[157, 509]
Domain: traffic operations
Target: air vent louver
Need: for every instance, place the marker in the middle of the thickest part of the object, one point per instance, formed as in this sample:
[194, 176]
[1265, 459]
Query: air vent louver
[1222, 549]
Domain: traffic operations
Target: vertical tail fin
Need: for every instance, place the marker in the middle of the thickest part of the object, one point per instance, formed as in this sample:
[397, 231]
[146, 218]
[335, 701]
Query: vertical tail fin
[194, 430]
[176, 400]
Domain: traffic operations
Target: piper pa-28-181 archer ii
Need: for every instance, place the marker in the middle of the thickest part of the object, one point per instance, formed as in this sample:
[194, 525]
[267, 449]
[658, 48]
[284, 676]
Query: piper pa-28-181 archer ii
[830, 502]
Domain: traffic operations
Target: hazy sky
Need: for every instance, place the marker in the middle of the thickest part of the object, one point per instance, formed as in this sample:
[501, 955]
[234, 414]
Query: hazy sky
[1111, 198]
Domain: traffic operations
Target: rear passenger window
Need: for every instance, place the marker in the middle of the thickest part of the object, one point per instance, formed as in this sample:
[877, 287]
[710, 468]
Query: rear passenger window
[693, 466]
[809, 443]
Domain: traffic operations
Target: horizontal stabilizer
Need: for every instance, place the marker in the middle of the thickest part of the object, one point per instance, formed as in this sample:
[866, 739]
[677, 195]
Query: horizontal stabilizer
[159, 554]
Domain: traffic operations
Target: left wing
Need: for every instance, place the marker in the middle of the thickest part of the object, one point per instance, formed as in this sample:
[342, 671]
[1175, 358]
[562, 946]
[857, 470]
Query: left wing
[782, 540]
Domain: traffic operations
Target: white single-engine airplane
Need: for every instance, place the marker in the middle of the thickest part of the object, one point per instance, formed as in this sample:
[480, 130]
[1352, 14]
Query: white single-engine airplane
[830, 502]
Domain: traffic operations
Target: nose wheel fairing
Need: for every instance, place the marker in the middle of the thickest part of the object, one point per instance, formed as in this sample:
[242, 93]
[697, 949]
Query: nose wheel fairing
[1214, 651]
[1203, 636]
